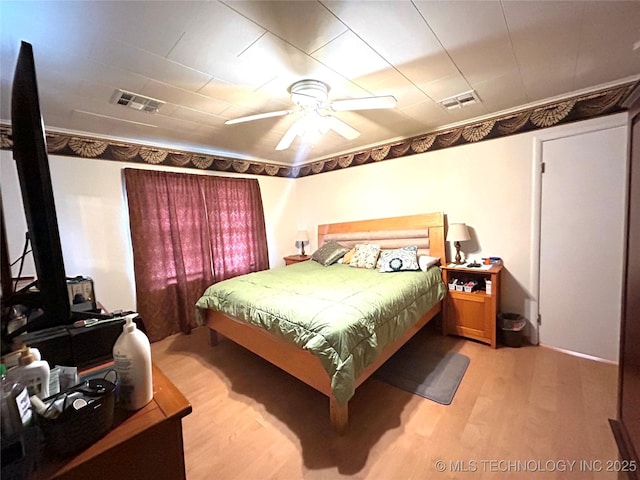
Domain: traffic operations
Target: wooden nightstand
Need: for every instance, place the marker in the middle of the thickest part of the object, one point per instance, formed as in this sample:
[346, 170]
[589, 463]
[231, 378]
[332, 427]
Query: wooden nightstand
[291, 259]
[472, 314]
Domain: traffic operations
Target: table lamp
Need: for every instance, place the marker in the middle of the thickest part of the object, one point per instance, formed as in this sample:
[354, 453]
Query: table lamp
[302, 237]
[458, 232]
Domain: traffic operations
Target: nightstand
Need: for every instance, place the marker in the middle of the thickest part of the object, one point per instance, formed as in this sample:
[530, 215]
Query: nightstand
[291, 259]
[472, 314]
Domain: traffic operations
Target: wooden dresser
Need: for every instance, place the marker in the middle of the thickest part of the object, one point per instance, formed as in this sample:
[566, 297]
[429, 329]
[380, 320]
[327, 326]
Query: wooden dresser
[142, 444]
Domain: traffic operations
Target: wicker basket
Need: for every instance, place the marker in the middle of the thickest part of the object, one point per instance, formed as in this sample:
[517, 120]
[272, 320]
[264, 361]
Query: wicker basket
[75, 429]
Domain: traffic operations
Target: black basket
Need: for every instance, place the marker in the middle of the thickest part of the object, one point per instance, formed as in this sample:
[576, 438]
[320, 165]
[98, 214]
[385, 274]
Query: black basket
[511, 326]
[77, 428]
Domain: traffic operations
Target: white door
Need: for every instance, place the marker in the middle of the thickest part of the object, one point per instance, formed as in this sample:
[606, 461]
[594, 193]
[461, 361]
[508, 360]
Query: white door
[581, 242]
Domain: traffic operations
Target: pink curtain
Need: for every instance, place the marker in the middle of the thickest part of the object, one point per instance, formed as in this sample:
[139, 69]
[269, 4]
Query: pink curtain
[177, 221]
[236, 226]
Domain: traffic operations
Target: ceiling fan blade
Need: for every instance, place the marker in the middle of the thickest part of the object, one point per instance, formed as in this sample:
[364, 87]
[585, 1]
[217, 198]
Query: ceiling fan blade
[366, 103]
[258, 116]
[342, 128]
[289, 136]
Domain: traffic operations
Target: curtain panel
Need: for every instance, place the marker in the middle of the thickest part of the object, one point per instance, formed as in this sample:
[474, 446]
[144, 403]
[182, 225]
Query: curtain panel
[236, 226]
[188, 231]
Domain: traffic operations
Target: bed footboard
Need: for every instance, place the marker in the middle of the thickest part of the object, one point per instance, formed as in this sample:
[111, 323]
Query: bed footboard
[300, 363]
[214, 338]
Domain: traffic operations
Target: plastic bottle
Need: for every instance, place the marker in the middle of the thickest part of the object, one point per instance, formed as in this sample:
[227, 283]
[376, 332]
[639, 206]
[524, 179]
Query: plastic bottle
[36, 353]
[132, 361]
[13, 359]
[33, 374]
[14, 406]
[8, 412]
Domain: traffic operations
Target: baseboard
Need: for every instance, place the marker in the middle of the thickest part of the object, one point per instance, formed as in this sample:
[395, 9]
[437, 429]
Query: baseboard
[578, 354]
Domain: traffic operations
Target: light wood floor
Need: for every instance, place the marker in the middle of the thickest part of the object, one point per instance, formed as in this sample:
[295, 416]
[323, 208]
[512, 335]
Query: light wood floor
[516, 408]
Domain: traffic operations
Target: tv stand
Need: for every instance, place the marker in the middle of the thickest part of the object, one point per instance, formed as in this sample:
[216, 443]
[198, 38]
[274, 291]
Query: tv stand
[81, 347]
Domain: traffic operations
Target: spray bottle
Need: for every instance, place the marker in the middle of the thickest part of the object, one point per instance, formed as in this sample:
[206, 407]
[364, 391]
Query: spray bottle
[132, 361]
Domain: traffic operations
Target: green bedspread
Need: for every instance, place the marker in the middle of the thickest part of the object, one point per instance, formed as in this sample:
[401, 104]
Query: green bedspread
[345, 316]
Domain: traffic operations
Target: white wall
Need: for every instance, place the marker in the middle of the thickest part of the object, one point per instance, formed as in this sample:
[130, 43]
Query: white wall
[485, 185]
[492, 186]
[93, 221]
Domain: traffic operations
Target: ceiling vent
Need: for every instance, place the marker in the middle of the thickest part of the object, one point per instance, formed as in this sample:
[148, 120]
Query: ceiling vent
[136, 101]
[461, 100]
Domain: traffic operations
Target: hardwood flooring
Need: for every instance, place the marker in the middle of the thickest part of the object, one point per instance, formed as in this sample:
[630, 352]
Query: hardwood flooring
[524, 412]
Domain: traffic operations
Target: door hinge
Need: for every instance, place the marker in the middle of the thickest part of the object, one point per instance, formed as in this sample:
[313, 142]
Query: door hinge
[539, 319]
[542, 167]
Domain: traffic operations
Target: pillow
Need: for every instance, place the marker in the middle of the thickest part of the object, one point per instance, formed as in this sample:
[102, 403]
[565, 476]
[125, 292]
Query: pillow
[399, 259]
[329, 253]
[365, 256]
[347, 257]
[425, 261]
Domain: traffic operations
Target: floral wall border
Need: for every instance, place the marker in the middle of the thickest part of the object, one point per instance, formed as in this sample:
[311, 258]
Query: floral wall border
[582, 107]
[72, 145]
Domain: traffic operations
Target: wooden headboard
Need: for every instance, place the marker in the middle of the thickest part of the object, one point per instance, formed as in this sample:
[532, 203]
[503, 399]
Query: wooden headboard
[391, 232]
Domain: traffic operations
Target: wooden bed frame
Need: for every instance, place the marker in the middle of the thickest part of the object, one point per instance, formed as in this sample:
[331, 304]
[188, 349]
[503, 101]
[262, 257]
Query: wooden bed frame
[301, 363]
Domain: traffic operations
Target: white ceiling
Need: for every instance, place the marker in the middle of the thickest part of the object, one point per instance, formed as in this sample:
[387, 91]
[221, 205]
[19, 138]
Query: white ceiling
[213, 61]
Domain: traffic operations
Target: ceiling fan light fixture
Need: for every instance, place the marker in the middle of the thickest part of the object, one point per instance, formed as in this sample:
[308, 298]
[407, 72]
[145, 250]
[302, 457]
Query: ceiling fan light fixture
[315, 127]
[289, 136]
[309, 93]
[311, 99]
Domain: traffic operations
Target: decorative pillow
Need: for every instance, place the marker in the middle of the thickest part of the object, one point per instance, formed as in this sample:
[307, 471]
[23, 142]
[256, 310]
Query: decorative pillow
[329, 253]
[399, 259]
[348, 256]
[365, 256]
[425, 261]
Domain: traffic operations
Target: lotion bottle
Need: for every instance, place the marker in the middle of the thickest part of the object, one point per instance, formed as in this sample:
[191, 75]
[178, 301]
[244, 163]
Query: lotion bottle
[32, 373]
[132, 361]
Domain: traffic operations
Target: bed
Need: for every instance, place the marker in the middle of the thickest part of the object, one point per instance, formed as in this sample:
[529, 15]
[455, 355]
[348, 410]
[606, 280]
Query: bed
[316, 330]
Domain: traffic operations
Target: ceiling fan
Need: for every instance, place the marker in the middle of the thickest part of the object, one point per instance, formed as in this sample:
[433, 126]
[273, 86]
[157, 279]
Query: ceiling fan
[311, 100]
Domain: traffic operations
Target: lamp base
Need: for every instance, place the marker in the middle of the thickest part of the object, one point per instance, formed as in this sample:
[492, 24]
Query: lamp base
[458, 259]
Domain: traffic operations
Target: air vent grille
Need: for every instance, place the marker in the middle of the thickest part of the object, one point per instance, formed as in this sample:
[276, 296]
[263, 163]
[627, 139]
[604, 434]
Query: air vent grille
[460, 100]
[136, 101]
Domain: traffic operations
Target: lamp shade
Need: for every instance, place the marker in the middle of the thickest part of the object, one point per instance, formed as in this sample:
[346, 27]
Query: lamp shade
[302, 236]
[458, 232]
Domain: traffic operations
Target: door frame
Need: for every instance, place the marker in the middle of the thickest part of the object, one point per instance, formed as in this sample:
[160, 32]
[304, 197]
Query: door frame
[537, 159]
[628, 445]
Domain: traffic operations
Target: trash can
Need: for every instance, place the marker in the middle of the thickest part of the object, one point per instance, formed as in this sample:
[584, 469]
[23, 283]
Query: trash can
[511, 326]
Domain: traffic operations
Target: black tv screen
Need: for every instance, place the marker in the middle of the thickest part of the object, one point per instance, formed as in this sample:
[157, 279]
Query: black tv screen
[32, 163]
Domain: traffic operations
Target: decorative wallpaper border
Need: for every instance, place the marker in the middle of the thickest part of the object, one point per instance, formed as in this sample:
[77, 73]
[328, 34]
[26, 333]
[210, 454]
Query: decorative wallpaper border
[583, 107]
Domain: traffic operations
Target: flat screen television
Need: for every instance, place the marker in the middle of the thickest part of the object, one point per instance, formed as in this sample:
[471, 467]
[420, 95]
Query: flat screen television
[49, 301]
